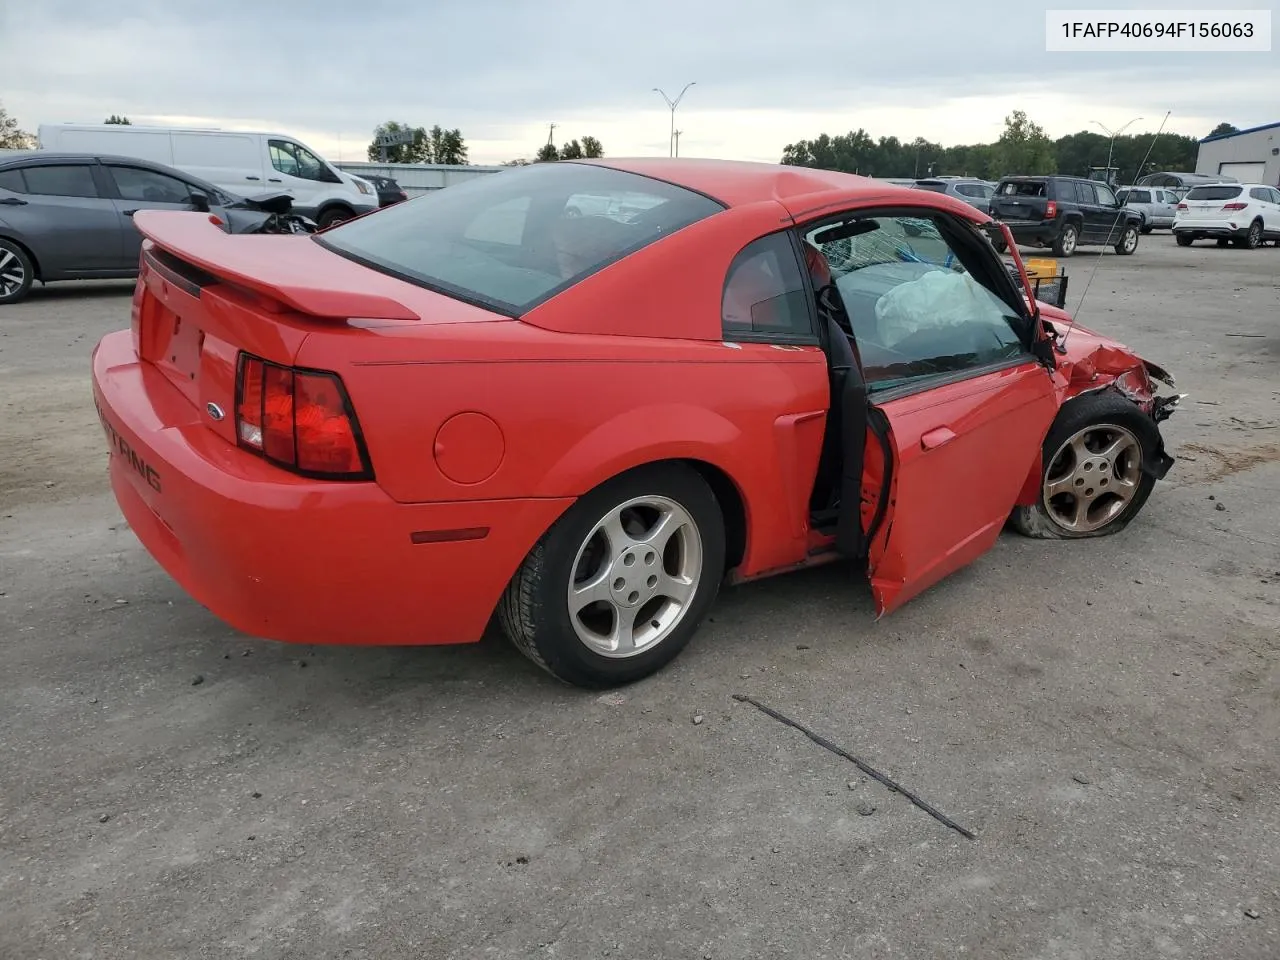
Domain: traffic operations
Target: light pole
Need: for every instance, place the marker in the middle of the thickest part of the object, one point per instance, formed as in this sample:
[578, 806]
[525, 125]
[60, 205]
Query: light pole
[671, 140]
[1113, 134]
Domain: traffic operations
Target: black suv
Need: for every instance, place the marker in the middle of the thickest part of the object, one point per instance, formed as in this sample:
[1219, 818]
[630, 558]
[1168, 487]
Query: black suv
[1064, 212]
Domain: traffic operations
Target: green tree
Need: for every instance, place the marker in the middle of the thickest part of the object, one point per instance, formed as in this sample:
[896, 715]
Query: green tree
[592, 148]
[1023, 147]
[122, 121]
[548, 152]
[436, 145]
[571, 151]
[1222, 128]
[12, 137]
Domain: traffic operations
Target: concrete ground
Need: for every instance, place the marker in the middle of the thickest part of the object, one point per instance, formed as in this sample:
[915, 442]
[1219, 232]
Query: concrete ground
[1104, 716]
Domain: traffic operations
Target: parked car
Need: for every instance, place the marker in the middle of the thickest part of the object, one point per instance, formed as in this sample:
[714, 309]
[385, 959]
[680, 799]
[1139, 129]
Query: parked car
[1156, 205]
[972, 191]
[420, 423]
[389, 191]
[1179, 183]
[1247, 214]
[68, 216]
[1064, 212]
[239, 161]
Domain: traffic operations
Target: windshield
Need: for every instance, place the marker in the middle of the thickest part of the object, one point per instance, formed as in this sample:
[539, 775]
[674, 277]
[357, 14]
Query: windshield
[1213, 193]
[510, 240]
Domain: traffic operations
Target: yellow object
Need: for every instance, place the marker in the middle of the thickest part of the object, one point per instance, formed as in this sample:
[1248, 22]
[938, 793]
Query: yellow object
[1041, 267]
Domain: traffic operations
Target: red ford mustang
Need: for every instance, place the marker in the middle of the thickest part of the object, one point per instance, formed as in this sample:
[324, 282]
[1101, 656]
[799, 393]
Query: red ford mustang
[577, 397]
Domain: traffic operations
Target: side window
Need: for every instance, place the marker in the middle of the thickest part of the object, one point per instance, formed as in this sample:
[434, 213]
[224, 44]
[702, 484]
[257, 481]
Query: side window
[1105, 197]
[54, 180]
[1084, 193]
[920, 305]
[764, 291]
[1260, 193]
[12, 180]
[294, 160]
[1275, 195]
[135, 183]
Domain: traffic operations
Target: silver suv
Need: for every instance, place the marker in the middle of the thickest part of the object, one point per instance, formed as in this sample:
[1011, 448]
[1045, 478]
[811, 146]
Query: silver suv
[975, 192]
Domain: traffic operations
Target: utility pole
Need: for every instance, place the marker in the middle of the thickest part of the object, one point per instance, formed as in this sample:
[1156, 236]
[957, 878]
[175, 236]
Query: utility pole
[1113, 134]
[671, 140]
[550, 135]
[677, 134]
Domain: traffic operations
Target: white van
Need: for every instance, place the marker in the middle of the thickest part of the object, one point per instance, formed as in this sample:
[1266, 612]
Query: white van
[243, 163]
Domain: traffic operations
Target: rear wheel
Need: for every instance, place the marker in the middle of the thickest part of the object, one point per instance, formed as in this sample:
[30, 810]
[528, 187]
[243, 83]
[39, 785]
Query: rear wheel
[1068, 239]
[1092, 482]
[1184, 239]
[1253, 239]
[16, 272]
[617, 587]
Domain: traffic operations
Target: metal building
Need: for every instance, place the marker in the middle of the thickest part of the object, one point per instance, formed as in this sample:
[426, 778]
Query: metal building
[1251, 156]
[419, 178]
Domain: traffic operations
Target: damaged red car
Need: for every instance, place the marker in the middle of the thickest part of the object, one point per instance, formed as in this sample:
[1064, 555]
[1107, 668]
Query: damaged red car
[576, 398]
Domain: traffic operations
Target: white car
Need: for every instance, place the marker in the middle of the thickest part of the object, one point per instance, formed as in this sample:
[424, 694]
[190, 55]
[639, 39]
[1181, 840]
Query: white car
[1246, 213]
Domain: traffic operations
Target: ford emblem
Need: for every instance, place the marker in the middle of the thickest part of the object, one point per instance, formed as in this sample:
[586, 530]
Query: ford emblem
[215, 411]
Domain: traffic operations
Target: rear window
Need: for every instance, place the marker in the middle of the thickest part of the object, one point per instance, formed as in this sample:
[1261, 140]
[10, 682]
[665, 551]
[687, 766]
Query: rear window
[933, 185]
[510, 240]
[1021, 188]
[1213, 193]
[1134, 196]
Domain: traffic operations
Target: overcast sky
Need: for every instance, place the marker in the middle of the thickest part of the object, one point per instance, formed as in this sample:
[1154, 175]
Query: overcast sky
[767, 73]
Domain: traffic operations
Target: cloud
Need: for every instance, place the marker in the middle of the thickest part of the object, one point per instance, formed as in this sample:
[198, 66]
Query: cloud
[502, 70]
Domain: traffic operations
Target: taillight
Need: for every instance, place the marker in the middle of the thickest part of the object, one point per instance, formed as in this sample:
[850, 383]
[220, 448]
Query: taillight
[1051, 209]
[1183, 206]
[299, 419]
[1234, 206]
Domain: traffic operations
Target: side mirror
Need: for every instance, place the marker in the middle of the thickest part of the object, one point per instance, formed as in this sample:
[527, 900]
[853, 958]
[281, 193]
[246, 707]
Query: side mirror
[200, 201]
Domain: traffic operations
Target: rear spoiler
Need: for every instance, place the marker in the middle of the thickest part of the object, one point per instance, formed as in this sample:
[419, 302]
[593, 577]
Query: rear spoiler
[291, 269]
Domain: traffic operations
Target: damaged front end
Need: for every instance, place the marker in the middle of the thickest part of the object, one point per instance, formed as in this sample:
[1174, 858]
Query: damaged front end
[1086, 361]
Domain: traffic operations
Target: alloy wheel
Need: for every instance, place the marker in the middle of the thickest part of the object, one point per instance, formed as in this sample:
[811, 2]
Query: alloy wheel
[1255, 235]
[1130, 239]
[1068, 241]
[1092, 477]
[12, 274]
[635, 576]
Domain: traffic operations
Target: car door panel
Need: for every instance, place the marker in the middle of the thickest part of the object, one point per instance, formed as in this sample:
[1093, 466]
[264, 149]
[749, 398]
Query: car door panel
[71, 233]
[138, 188]
[960, 455]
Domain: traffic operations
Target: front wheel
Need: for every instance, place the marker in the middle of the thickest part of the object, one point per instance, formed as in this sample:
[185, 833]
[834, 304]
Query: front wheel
[16, 272]
[617, 587]
[333, 216]
[1128, 241]
[1093, 482]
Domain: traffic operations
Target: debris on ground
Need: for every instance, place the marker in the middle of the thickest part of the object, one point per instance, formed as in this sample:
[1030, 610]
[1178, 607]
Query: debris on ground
[865, 809]
[197, 679]
[697, 719]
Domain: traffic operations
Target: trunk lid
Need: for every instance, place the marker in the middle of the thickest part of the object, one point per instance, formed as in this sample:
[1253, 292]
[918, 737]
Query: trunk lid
[204, 295]
[1020, 200]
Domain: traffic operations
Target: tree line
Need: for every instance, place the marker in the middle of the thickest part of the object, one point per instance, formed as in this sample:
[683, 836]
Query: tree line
[1022, 148]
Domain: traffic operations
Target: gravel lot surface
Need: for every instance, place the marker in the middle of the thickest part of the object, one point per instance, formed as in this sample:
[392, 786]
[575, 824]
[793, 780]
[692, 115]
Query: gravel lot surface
[1104, 716]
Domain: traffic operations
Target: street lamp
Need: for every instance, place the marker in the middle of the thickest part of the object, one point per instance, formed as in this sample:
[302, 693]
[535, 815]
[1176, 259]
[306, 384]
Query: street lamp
[671, 140]
[1113, 134]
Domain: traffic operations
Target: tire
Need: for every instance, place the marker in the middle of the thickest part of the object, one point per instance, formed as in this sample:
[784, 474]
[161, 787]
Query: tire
[535, 611]
[1184, 239]
[1106, 415]
[1128, 241]
[1253, 239]
[17, 273]
[333, 215]
[1067, 240]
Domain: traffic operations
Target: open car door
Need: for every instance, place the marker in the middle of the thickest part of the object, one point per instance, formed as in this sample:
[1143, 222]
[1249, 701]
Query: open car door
[958, 391]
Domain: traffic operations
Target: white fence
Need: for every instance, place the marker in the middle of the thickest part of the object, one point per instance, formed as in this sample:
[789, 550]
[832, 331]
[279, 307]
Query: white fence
[419, 178]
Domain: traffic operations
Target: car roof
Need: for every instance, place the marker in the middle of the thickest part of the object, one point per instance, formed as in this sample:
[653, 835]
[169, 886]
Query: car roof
[739, 182]
[55, 156]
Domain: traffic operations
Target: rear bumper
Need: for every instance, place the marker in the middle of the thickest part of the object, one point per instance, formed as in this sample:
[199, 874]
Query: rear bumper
[296, 560]
[1033, 231]
[1212, 228]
